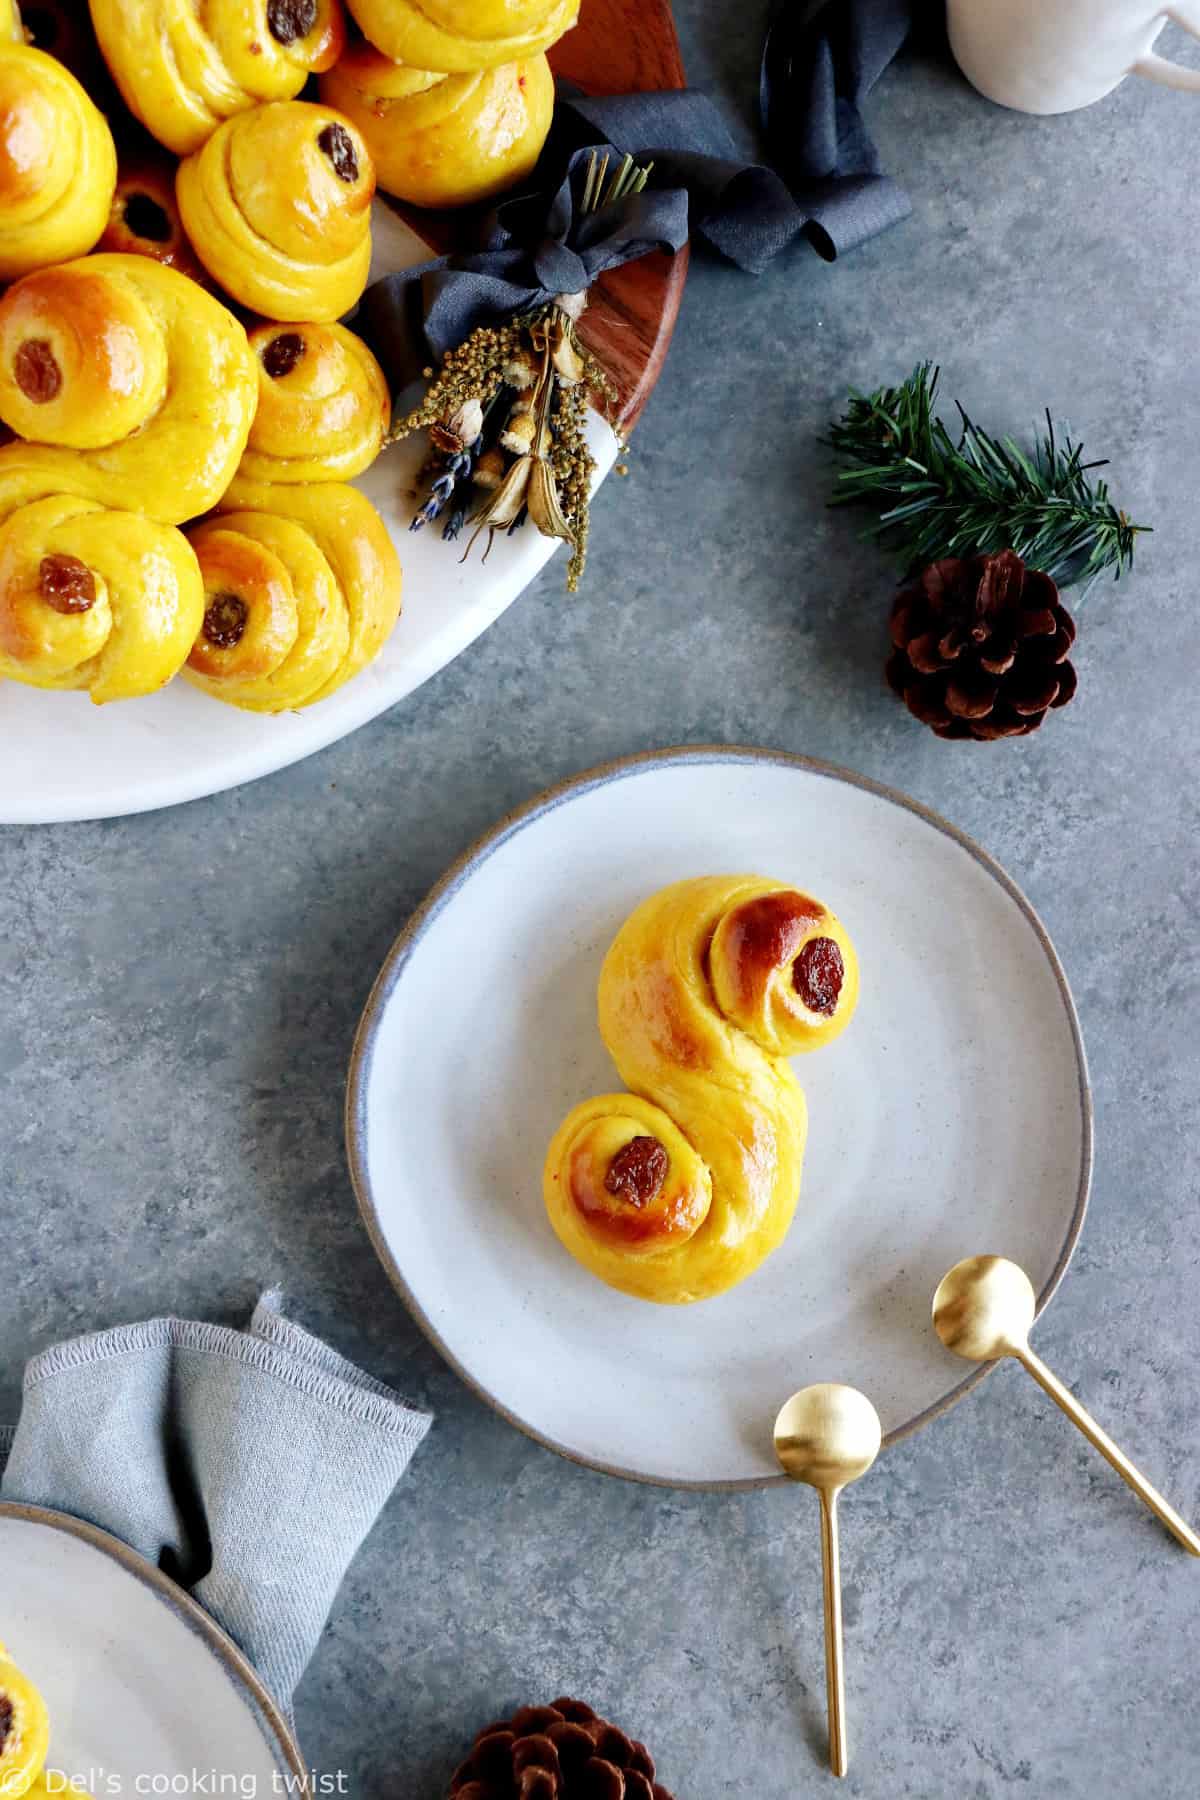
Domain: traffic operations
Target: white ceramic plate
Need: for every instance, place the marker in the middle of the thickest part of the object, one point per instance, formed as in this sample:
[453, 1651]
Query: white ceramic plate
[953, 1116]
[63, 758]
[141, 1685]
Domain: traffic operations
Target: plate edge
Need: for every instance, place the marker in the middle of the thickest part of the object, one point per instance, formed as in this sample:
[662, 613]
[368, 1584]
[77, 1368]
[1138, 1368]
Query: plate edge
[237, 1665]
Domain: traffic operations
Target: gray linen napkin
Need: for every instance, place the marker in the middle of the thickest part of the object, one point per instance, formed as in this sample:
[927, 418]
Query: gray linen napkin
[248, 1465]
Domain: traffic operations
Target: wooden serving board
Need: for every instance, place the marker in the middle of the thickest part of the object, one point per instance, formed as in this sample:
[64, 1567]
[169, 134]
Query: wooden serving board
[625, 47]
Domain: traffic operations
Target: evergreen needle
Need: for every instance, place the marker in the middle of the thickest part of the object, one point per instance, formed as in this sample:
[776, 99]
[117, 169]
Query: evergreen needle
[942, 495]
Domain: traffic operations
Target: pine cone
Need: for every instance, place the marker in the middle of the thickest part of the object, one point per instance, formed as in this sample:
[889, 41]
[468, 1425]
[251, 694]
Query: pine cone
[981, 646]
[564, 1751]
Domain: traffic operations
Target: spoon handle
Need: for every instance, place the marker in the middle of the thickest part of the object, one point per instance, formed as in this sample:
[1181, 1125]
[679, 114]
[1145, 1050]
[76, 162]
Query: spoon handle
[1063, 1397]
[835, 1684]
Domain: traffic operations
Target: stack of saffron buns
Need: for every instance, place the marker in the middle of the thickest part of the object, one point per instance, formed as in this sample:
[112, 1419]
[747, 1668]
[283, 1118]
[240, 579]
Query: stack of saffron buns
[181, 412]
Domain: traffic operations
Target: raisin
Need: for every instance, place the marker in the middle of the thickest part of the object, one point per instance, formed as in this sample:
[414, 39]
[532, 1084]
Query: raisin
[42, 28]
[147, 219]
[6, 1719]
[288, 20]
[638, 1171]
[817, 975]
[338, 146]
[225, 620]
[67, 584]
[283, 353]
[36, 370]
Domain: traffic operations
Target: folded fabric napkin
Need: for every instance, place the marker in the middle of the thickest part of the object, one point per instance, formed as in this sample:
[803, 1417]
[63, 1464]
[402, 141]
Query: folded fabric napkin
[821, 59]
[248, 1465]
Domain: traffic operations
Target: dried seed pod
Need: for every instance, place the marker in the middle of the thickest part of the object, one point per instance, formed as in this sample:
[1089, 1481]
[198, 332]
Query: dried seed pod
[501, 510]
[456, 433]
[565, 358]
[545, 508]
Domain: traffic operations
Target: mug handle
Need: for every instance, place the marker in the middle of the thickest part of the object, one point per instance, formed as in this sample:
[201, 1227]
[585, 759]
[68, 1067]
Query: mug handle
[1160, 68]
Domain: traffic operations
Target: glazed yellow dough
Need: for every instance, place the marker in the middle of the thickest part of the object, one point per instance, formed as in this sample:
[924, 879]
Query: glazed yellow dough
[25, 1738]
[89, 598]
[455, 36]
[133, 387]
[302, 589]
[679, 1189]
[58, 167]
[445, 140]
[183, 67]
[278, 207]
[10, 23]
[323, 405]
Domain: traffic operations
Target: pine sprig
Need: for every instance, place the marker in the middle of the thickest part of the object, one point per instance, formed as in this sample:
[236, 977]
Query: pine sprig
[940, 495]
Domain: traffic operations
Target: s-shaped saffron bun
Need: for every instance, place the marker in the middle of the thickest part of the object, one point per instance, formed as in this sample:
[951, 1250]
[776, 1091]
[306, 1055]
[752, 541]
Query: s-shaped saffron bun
[277, 204]
[456, 36]
[679, 1189]
[24, 1730]
[301, 591]
[132, 386]
[323, 406]
[445, 140]
[58, 167]
[183, 67]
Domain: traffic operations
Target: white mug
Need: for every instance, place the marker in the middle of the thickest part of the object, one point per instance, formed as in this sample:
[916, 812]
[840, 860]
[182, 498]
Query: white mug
[1052, 56]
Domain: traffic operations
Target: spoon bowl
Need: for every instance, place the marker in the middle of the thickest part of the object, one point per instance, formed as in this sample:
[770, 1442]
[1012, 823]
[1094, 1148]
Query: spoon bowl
[827, 1435]
[983, 1308]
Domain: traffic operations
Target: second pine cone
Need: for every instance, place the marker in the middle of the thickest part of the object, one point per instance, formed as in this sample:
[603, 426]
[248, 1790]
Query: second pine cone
[564, 1751]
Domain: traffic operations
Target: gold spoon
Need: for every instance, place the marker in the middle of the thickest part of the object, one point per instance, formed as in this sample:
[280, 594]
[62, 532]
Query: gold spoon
[983, 1310]
[828, 1436]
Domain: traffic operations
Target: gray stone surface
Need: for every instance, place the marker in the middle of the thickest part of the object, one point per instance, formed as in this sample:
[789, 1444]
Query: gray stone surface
[181, 991]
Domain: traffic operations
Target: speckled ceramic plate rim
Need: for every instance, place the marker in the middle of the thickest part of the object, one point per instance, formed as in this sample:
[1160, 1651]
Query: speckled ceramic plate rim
[240, 1671]
[562, 793]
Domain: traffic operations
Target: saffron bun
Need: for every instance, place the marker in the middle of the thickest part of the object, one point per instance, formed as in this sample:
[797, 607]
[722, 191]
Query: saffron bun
[97, 599]
[444, 140]
[680, 1188]
[58, 166]
[301, 592]
[128, 384]
[183, 68]
[323, 406]
[456, 36]
[277, 205]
